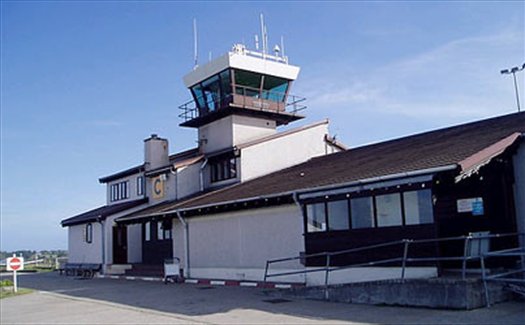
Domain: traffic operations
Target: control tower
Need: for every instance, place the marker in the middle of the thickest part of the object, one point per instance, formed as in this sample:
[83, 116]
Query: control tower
[241, 83]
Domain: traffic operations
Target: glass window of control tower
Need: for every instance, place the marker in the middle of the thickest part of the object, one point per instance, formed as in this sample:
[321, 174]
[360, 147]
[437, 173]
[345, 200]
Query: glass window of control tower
[275, 88]
[247, 83]
[213, 93]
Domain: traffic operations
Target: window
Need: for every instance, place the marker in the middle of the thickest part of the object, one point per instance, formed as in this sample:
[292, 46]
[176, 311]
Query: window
[119, 191]
[88, 233]
[396, 209]
[362, 212]
[338, 215]
[160, 231]
[147, 231]
[274, 88]
[212, 93]
[140, 185]
[247, 83]
[418, 207]
[388, 210]
[222, 169]
[316, 217]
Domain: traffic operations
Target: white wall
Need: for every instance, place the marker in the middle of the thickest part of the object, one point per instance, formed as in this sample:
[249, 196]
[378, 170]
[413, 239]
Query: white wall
[248, 128]
[79, 251]
[519, 188]
[233, 130]
[188, 180]
[216, 135]
[240, 242]
[282, 152]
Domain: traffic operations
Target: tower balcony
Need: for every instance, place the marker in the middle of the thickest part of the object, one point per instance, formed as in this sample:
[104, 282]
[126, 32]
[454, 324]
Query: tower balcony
[279, 106]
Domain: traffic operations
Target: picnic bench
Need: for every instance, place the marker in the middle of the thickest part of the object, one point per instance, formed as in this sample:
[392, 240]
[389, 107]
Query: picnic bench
[85, 270]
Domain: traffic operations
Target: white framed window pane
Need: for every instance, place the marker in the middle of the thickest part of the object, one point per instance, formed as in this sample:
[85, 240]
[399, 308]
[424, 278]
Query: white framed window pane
[167, 233]
[147, 231]
[388, 209]
[316, 217]
[88, 233]
[160, 231]
[362, 212]
[140, 185]
[411, 208]
[418, 207]
[338, 215]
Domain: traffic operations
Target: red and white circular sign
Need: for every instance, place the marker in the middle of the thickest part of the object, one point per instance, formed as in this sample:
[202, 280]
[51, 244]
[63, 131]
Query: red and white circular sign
[15, 263]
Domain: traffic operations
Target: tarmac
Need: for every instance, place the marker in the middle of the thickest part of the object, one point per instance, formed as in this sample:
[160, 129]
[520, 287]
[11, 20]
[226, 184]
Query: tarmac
[68, 300]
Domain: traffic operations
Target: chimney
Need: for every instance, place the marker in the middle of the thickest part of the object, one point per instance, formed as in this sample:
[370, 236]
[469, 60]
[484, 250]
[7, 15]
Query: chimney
[155, 152]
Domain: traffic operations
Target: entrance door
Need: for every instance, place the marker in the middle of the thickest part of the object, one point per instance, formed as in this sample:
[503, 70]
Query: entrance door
[120, 245]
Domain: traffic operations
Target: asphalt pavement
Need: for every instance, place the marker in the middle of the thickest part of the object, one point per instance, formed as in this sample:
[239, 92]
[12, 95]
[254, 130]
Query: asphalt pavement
[67, 300]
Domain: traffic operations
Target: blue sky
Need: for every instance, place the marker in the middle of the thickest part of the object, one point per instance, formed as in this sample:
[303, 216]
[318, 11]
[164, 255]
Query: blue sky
[83, 83]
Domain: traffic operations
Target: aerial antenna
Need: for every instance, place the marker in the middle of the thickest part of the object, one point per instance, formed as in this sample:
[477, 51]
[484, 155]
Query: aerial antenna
[264, 36]
[195, 55]
[209, 56]
[256, 42]
[265, 40]
[282, 46]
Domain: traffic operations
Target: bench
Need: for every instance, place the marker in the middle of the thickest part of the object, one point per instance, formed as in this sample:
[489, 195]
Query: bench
[86, 270]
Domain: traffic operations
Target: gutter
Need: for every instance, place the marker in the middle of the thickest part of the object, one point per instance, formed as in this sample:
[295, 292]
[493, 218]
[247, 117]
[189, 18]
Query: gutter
[103, 237]
[186, 244]
[201, 174]
[318, 188]
[330, 187]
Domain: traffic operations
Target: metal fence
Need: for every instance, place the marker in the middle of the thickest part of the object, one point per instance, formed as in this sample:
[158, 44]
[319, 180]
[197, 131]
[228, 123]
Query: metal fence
[476, 247]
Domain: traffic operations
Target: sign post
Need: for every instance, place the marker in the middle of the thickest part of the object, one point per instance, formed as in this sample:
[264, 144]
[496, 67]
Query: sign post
[15, 264]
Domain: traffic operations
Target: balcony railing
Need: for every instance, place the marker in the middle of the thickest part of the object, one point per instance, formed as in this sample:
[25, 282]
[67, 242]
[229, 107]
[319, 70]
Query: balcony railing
[243, 97]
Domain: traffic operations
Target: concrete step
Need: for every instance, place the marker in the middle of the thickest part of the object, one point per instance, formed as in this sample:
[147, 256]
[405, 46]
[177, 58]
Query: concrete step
[439, 293]
[145, 270]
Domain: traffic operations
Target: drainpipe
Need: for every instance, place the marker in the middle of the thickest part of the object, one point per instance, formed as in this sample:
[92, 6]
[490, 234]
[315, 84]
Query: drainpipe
[103, 239]
[186, 245]
[174, 171]
[296, 201]
[201, 174]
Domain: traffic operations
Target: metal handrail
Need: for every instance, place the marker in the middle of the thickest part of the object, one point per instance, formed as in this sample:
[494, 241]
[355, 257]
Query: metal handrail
[501, 277]
[291, 103]
[404, 259]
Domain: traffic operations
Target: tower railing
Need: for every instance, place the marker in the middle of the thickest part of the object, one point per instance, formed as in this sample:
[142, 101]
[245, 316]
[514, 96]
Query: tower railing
[243, 97]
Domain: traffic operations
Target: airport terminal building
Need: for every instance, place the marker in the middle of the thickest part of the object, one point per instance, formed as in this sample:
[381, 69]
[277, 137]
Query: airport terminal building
[249, 193]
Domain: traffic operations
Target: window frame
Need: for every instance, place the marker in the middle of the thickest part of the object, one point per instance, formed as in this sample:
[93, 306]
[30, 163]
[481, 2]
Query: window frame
[140, 185]
[119, 191]
[372, 197]
[147, 231]
[88, 233]
[223, 168]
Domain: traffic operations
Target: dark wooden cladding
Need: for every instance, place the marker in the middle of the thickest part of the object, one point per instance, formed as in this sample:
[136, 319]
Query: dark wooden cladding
[493, 183]
[154, 251]
[349, 239]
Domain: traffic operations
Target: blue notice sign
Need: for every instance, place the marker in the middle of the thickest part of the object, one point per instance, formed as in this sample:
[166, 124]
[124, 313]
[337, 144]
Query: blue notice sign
[477, 207]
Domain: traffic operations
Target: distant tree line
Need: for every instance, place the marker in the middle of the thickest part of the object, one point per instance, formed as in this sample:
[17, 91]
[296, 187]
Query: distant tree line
[32, 255]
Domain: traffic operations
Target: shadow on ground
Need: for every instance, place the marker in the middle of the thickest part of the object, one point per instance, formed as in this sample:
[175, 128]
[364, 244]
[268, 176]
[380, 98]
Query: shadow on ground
[195, 300]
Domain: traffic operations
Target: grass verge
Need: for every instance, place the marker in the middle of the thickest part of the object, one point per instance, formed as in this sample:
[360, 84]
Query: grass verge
[6, 293]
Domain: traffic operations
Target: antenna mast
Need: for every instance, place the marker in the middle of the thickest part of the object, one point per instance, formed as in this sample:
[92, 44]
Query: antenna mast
[264, 36]
[195, 55]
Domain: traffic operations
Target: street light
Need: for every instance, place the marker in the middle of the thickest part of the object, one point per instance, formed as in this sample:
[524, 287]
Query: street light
[513, 70]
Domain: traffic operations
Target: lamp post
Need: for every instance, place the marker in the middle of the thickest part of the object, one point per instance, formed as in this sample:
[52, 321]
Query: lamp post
[513, 71]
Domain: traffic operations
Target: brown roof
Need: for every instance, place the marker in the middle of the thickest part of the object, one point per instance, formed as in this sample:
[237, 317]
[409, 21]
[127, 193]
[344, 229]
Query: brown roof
[173, 158]
[439, 148]
[101, 213]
